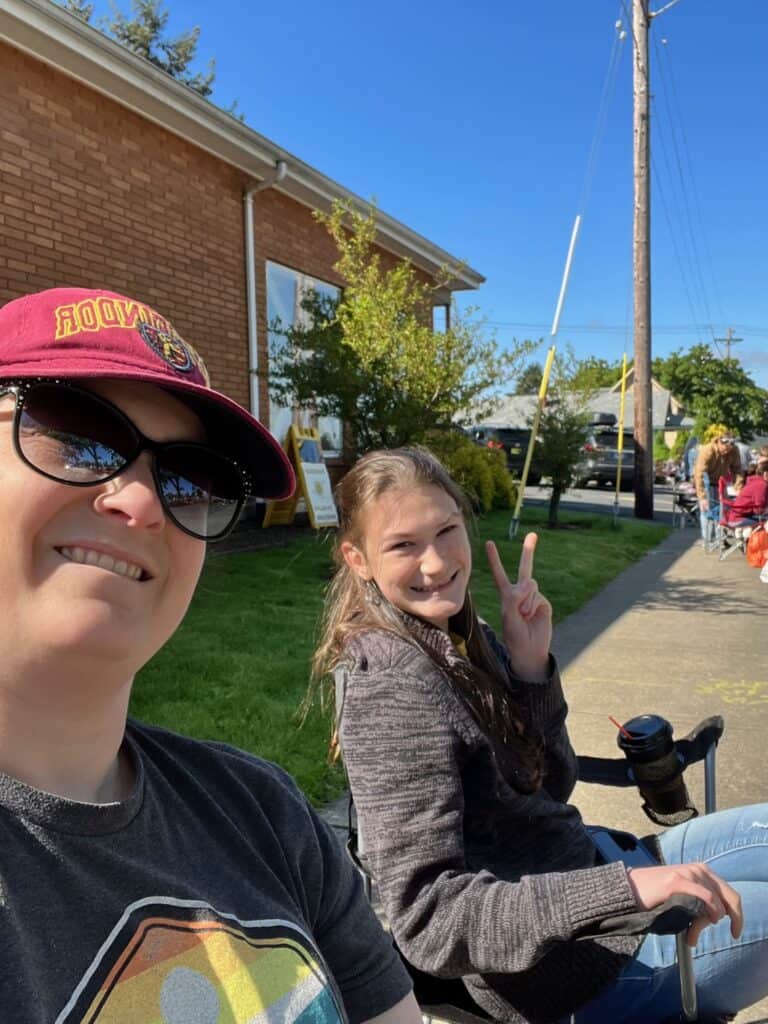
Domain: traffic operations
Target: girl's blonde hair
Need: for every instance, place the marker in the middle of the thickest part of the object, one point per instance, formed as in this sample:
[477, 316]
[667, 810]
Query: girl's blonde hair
[354, 605]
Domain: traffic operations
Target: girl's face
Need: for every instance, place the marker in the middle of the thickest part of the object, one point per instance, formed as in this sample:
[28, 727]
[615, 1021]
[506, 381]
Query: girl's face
[415, 547]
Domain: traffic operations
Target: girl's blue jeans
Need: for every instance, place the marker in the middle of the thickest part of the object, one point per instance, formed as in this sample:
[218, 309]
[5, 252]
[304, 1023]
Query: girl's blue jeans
[731, 974]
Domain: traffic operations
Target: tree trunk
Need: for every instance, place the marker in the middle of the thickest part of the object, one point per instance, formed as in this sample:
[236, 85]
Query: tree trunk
[554, 502]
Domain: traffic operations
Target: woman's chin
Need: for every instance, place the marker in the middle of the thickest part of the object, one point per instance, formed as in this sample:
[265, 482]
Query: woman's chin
[93, 636]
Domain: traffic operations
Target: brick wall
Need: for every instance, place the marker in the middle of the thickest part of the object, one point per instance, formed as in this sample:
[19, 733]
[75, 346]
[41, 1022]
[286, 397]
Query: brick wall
[94, 195]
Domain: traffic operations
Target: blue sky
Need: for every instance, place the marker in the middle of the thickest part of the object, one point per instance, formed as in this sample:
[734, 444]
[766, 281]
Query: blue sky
[473, 124]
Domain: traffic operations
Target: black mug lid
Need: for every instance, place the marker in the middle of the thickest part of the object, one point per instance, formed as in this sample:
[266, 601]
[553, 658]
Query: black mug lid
[645, 731]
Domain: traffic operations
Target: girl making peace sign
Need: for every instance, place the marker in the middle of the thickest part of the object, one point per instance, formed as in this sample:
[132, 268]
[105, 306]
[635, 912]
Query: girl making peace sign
[461, 767]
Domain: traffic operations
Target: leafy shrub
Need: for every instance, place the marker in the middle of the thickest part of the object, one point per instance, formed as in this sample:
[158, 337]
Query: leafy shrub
[660, 448]
[481, 472]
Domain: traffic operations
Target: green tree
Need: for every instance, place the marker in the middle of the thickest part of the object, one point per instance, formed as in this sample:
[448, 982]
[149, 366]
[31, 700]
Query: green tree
[529, 381]
[593, 373]
[144, 34]
[563, 428]
[79, 8]
[714, 390]
[373, 358]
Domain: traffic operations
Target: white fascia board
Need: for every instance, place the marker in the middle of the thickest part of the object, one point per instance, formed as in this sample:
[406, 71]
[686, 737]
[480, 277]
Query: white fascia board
[50, 34]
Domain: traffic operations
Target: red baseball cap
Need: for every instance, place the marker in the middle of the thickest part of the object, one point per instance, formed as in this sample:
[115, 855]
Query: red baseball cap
[82, 333]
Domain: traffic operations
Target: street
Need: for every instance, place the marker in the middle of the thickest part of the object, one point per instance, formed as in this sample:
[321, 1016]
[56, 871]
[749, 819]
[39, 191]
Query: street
[601, 499]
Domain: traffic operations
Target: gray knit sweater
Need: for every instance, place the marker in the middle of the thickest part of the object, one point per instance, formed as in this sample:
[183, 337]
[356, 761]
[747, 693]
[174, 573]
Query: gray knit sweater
[477, 880]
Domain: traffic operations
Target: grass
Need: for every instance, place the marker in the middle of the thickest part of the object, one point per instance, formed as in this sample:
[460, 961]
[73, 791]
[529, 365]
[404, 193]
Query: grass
[237, 668]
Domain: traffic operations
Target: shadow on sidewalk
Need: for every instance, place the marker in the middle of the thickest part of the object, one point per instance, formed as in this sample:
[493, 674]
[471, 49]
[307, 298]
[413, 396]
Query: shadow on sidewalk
[642, 587]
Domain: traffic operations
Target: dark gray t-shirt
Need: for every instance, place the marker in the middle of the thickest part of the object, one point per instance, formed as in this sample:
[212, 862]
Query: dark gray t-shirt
[212, 895]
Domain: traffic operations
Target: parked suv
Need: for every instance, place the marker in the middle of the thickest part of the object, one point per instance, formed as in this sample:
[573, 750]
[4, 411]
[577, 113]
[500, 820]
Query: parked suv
[601, 457]
[514, 442]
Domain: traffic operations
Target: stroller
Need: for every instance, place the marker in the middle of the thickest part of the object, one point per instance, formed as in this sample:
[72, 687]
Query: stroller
[685, 505]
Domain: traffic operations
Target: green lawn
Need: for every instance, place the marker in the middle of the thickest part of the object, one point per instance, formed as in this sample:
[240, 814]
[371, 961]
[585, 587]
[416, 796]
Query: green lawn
[237, 668]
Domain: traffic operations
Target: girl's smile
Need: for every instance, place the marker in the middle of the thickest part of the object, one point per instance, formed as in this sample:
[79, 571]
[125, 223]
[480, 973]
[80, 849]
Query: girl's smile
[436, 587]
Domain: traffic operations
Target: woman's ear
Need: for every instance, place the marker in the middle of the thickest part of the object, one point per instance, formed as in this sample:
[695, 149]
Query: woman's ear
[356, 560]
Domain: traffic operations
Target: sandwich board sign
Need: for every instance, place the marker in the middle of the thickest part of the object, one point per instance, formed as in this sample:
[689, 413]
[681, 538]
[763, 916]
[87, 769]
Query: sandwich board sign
[313, 484]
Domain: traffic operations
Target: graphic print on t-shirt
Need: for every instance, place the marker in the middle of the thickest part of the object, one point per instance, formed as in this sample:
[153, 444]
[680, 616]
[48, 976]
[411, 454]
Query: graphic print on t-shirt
[171, 961]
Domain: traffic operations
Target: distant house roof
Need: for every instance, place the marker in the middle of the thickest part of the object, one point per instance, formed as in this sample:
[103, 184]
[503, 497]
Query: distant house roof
[51, 34]
[655, 386]
[517, 410]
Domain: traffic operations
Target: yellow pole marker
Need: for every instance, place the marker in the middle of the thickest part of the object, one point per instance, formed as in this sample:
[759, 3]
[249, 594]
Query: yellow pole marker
[532, 439]
[620, 440]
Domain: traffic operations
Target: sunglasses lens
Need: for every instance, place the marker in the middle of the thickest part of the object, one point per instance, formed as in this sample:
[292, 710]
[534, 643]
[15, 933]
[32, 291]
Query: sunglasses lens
[75, 437]
[201, 490]
[72, 436]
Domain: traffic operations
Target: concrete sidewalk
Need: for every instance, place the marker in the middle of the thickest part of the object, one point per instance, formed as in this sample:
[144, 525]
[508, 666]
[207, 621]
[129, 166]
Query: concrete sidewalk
[682, 635]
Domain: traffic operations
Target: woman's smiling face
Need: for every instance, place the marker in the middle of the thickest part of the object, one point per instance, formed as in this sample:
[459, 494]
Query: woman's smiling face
[414, 546]
[100, 570]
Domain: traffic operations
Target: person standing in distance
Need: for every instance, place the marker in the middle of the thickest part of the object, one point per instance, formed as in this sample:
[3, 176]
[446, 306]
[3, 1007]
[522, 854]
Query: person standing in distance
[719, 458]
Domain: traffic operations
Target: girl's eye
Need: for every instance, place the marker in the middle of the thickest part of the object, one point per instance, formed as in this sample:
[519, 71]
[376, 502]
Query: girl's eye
[447, 529]
[399, 546]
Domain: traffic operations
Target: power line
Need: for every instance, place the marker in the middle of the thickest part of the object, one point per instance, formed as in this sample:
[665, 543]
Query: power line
[617, 328]
[676, 250]
[694, 187]
[689, 235]
[602, 116]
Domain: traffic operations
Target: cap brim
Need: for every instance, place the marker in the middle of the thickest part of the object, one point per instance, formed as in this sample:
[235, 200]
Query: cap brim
[229, 426]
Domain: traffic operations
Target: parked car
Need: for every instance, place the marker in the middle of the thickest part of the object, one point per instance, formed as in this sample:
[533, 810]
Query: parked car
[600, 461]
[514, 442]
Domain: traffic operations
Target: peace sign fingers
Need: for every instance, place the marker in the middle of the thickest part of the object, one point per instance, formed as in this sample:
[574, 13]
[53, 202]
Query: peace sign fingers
[498, 571]
[525, 569]
[526, 615]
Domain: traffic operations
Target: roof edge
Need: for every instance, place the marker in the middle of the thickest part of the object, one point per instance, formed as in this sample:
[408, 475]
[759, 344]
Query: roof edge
[47, 32]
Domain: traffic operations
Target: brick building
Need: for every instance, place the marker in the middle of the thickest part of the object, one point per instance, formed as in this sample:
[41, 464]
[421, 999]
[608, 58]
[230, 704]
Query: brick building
[113, 174]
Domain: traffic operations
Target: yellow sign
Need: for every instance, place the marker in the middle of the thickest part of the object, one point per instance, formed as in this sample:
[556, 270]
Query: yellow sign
[313, 484]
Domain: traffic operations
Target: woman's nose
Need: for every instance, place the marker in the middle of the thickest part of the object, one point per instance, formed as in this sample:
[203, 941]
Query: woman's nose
[132, 496]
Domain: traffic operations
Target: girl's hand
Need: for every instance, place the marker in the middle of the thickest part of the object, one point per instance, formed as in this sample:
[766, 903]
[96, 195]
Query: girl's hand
[526, 615]
[651, 886]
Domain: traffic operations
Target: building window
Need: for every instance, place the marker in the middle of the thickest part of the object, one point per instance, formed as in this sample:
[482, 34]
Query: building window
[441, 319]
[286, 290]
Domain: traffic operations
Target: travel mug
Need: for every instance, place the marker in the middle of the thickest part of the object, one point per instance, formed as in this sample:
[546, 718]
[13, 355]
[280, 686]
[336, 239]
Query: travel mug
[648, 746]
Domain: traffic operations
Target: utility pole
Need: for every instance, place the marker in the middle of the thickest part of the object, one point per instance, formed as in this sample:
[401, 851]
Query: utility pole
[729, 340]
[641, 260]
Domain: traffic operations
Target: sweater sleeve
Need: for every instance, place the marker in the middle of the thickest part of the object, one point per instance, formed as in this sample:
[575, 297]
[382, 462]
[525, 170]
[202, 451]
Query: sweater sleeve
[402, 752]
[547, 710]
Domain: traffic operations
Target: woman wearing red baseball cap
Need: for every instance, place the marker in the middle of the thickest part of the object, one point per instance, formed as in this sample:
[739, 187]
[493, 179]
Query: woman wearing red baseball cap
[145, 876]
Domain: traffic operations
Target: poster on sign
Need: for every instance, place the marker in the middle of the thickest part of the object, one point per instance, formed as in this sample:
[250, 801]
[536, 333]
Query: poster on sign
[313, 483]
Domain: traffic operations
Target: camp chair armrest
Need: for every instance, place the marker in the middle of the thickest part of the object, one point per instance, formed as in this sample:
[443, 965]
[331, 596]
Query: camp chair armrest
[614, 771]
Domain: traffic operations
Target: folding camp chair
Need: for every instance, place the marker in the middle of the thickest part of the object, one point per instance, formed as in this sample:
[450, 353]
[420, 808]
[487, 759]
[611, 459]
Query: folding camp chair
[446, 1001]
[727, 538]
[685, 505]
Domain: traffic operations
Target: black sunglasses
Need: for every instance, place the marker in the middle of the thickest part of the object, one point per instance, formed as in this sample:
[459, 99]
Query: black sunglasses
[73, 436]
